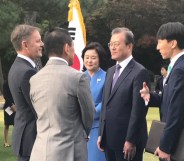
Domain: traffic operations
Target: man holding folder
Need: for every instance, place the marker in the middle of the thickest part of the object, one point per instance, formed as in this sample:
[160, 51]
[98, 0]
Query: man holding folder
[171, 45]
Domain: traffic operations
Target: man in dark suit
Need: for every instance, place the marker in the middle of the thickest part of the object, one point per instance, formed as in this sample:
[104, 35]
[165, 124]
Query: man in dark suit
[170, 44]
[28, 45]
[162, 79]
[123, 130]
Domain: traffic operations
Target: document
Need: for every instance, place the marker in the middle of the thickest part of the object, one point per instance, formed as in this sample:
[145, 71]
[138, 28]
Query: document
[9, 111]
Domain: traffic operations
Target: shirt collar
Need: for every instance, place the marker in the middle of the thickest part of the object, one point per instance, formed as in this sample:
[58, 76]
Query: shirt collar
[124, 63]
[58, 58]
[175, 58]
[28, 59]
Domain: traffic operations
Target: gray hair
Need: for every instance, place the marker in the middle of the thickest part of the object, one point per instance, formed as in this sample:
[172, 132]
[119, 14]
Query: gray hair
[128, 34]
[20, 33]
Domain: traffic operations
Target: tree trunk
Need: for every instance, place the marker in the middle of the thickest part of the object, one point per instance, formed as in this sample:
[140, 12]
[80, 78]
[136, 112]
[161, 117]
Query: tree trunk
[30, 18]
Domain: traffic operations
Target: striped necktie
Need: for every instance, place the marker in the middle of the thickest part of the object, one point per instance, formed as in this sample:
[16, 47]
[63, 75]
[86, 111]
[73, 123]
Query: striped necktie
[116, 75]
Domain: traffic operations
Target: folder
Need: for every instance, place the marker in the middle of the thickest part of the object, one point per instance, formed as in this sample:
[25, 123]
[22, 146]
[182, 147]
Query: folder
[153, 141]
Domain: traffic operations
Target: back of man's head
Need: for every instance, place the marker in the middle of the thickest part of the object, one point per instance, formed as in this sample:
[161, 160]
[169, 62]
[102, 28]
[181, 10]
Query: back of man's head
[55, 40]
[172, 31]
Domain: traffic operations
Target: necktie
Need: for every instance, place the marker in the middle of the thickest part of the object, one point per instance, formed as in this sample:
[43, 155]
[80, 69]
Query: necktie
[169, 69]
[36, 68]
[116, 75]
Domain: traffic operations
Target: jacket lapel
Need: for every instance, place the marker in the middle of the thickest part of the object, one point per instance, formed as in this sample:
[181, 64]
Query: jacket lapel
[123, 75]
[110, 79]
[179, 59]
[18, 59]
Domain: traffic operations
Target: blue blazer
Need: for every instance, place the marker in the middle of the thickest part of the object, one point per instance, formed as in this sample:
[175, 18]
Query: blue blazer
[96, 85]
[172, 106]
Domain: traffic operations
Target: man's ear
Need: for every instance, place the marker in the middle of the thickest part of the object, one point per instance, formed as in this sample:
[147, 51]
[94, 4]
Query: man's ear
[24, 44]
[130, 46]
[174, 44]
[66, 49]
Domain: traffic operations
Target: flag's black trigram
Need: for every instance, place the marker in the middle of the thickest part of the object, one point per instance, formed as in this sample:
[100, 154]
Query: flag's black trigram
[72, 31]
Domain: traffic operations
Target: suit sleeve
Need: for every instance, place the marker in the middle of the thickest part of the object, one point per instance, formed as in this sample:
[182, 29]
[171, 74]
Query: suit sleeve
[102, 116]
[103, 109]
[175, 114]
[139, 110]
[25, 87]
[155, 100]
[7, 95]
[86, 103]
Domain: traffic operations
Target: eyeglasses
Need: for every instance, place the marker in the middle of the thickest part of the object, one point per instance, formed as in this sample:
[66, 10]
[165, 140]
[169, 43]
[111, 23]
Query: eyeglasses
[115, 44]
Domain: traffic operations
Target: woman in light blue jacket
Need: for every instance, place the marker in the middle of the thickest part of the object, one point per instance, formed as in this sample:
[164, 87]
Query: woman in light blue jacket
[94, 57]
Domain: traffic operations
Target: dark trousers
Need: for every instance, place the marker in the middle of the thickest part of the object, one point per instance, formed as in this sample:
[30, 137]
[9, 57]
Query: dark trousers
[117, 155]
[23, 158]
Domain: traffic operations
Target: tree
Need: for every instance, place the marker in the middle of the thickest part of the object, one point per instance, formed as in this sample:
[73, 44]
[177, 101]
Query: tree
[142, 17]
[10, 15]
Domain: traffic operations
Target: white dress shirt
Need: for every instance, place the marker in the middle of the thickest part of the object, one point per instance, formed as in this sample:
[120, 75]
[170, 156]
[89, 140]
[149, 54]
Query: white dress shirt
[124, 63]
[28, 59]
[58, 58]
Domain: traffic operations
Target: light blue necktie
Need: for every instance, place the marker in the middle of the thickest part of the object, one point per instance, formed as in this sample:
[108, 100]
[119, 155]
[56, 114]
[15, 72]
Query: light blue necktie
[116, 76]
[169, 69]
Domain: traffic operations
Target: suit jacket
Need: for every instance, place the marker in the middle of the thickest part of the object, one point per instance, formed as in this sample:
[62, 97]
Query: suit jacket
[7, 95]
[63, 103]
[172, 106]
[8, 119]
[124, 111]
[159, 85]
[159, 89]
[24, 131]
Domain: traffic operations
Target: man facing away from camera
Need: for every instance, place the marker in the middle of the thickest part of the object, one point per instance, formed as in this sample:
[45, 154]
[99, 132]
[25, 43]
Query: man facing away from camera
[62, 100]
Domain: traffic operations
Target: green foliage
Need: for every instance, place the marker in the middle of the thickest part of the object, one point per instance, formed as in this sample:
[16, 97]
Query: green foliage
[142, 17]
[52, 12]
[89, 6]
[10, 15]
[101, 16]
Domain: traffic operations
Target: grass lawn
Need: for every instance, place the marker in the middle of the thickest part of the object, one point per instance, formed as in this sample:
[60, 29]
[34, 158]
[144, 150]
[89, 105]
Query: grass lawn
[7, 155]
[153, 114]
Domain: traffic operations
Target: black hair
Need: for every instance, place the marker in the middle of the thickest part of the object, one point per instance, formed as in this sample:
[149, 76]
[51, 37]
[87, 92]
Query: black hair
[100, 51]
[172, 31]
[55, 39]
[165, 66]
